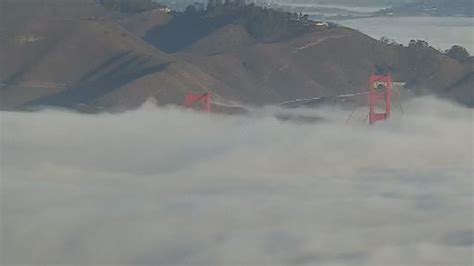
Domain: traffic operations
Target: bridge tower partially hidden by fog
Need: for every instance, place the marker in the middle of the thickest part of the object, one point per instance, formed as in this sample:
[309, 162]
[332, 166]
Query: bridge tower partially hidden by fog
[380, 97]
[198, 101]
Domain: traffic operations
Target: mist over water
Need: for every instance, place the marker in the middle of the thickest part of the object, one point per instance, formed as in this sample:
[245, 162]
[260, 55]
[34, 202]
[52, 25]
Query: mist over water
[165, 186]
[440, 32]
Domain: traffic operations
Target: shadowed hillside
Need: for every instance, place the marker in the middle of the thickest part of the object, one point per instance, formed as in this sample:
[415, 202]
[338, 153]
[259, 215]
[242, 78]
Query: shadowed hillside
[265, 25]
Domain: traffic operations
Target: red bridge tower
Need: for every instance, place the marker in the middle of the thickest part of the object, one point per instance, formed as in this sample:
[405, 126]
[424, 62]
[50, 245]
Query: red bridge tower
[201, 101]
[380, 96]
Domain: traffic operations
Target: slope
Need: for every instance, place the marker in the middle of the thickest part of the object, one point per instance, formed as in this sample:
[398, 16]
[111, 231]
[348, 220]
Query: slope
[327, 62]
[63, 60]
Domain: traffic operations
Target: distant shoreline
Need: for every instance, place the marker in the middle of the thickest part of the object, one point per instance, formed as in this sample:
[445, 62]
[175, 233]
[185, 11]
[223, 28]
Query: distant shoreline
[429, 28]
[340, 18]
[344, 12]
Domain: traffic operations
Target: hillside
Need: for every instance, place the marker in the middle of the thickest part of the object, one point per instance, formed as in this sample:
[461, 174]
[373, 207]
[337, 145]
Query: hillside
[98, 58]
[333, 62]
[319, 61]
[54, 60]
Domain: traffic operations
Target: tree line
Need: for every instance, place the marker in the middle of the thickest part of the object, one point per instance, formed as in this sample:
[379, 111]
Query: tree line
[262, 23]
[456, 52]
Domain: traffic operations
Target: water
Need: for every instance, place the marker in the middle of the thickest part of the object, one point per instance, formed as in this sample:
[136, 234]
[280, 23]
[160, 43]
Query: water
[439, 32]
[360, 9]
[170, 187]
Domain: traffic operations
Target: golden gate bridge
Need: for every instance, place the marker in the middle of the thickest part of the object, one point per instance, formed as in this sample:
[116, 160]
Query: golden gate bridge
[379, 93]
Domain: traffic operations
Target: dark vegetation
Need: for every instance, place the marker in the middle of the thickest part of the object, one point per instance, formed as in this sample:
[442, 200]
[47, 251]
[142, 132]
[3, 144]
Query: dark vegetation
[456, 52]
[459, 53]
[198, 20]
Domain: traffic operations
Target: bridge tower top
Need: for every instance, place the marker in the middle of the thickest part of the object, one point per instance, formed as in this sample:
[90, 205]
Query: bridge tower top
[380, 96]
[201, 101]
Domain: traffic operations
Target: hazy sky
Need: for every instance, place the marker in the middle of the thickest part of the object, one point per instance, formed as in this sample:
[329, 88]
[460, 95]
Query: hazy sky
[172, 187]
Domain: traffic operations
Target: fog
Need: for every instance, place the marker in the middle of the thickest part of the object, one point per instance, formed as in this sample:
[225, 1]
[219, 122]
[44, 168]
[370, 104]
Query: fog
[439, 32]
[165, 186]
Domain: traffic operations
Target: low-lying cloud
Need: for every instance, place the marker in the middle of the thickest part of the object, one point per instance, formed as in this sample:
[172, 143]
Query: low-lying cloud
[164, 186]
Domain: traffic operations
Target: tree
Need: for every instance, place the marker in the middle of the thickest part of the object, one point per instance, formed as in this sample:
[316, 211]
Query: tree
[418, 43]
[458, 53]
[195, 8]
[190, 10]
[240, 3]
[211, 4]
[385, 40]
[200, 7]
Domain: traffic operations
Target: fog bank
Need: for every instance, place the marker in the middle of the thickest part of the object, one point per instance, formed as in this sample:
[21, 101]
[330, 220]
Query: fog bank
[164, 186]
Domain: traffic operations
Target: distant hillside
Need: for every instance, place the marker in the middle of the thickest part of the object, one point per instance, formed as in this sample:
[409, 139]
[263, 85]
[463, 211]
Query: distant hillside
[82, 55]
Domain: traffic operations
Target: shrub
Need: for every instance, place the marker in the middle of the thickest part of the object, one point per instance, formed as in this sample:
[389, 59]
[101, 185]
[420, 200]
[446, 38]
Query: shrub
[458, 53]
